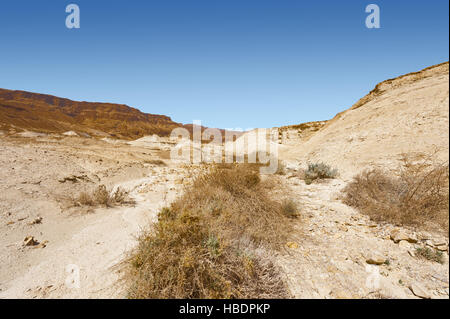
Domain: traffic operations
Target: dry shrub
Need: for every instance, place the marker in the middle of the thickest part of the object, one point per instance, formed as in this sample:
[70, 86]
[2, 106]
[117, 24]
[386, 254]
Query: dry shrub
[430, 254]
[318, 171]
[213, 242]
[289, 208]
[100, 196]
[417, 195]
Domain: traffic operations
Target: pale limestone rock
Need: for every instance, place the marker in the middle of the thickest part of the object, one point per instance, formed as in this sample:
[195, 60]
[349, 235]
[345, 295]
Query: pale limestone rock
[404, 244]
[376, 260]
[419, 291]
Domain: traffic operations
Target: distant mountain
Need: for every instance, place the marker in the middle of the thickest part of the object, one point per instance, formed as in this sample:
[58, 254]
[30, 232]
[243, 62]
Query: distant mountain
[50, 114]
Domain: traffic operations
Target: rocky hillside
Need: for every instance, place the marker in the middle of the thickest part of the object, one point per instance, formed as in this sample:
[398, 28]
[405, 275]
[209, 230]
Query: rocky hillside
[408, 114]
[46, 113]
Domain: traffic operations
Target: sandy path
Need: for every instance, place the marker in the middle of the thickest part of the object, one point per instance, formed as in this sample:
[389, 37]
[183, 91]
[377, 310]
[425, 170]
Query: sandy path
[334, 242]
[95, 247]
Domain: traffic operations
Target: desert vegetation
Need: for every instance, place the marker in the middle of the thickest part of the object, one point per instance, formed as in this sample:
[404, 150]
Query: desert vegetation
[318, 171]
[417, 195]
[216, 241]
[101, 196]
[430, 254]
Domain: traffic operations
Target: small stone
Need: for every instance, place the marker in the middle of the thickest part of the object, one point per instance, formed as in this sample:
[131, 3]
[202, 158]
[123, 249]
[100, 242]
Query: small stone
[437, 243]
[36, 221]
[404, 244]
[42, 245]
[398, 235]
[376, 260]
[429, 243]
[442, 247]
[419, 291]
[413, 238]
[30, 241]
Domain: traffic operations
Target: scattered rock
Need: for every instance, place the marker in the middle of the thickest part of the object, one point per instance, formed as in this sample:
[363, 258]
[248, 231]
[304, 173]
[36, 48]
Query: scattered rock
[398, 235]
[36, 221]
[74, 179]
[30, 241]
[419, 291]
[376, 260]
[42, 245]
[404, 244]
[70, 133]
[442, 247]
[437, 242]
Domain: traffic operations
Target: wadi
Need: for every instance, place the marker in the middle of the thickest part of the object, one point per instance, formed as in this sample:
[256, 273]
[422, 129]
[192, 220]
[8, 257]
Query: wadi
[93, 203]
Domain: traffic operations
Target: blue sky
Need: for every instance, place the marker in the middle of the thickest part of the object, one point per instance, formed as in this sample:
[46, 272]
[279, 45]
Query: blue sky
[228, 63]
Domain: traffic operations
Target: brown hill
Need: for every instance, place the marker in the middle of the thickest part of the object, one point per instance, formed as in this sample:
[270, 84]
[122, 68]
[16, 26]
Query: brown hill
[51, 114]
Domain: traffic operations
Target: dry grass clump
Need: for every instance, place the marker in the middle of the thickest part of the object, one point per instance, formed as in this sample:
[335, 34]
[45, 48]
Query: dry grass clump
[214, 242]
[317, 171]
[100, 196]
[289, 208]
[430, 254]
[417, 195]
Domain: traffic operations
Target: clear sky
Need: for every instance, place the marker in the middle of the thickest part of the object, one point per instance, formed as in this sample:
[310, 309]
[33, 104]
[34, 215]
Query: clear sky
[228, 63]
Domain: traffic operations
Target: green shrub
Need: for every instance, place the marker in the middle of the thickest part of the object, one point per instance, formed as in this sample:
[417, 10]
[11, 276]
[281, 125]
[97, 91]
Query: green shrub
[319, 171]
[430, 254]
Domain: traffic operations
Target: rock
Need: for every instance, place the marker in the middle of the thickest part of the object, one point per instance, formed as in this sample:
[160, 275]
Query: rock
[376, 260]
[42, 245]
[398, 235]
[404, 244]
[70, 133]
[412, 238]
[437, 242]
[442, 247]
[36, 221]
[411, 253]
[429, 243]
[419, 291]
[30, 241]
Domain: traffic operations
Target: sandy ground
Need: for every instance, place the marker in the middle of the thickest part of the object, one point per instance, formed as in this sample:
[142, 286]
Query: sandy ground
[335, 242]
[327, 259]
[31, 187]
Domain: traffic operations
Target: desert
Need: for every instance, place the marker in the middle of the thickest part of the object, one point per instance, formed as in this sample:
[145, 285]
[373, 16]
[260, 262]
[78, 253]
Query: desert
[87, 188]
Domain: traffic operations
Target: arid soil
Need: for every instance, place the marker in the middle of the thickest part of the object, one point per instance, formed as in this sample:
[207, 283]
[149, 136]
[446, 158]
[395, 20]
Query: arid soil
[35, 201]
[325, 258]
